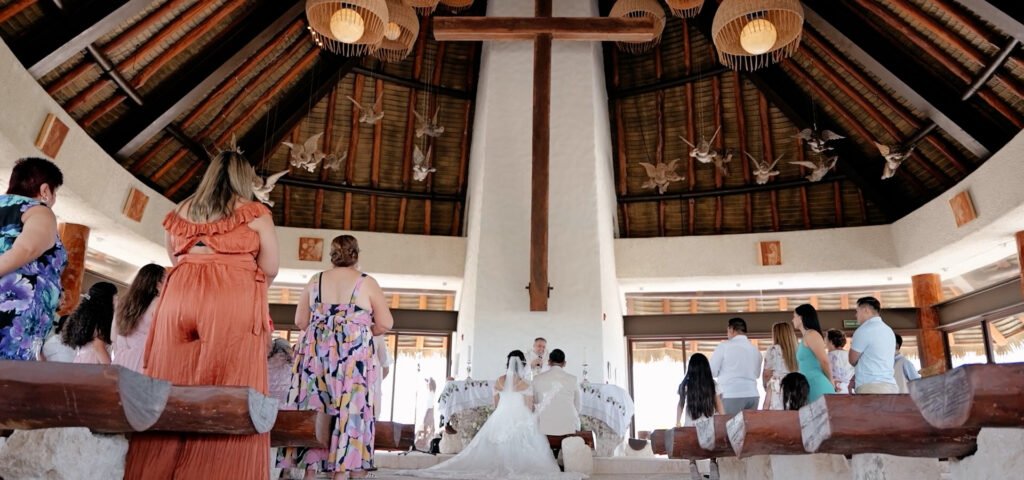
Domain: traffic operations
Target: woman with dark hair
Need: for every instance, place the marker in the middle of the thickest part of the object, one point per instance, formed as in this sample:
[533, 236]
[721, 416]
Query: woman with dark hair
[811, 355]
[135, 316]
[212, 326]
[31, 258]
[839, 360]
[54, 348]
[795, 391]
[334, 367]
[88, 327]
[698, 395]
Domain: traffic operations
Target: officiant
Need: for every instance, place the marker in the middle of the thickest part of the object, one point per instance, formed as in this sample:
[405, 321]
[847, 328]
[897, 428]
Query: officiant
[539, 356]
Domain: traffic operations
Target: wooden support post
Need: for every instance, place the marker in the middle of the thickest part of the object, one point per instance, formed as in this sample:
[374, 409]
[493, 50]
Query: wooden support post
[1020, 254]
[973, 396]
[75, 238]
[928, 293]
[394, 436]
[301, 428]
[541, 151]
[713, 435]
[886, 424]
[765, 432]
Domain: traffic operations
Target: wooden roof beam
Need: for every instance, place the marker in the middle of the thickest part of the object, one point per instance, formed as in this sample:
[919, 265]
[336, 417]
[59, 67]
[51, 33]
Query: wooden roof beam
[982, 124]
[587, 29]
[380, 192]
[727, 191]
[176, 95]
[414, 84]
[1006, 15]
[667, 83]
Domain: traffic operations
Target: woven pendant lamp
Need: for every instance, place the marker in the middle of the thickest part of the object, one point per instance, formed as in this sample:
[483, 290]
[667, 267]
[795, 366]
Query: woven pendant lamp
[640, 8]
[424, 7]
[347, 27]
[457, 5]
[399, 35]
[685, 8]
[751, 34]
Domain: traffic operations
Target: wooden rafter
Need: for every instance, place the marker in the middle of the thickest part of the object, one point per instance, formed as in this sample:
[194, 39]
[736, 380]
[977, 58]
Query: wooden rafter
[741, 131]
[668, 83]
[353, 150]
[587, 29]
[691, 129]
[410, 123]
[768, 152]
[435, 79]
[716, 115]
[726, 191]
[327, 144]
[467, 135]
[805, 205]
[378, 136]
[414, 84]
[15, 8]
[659, 146]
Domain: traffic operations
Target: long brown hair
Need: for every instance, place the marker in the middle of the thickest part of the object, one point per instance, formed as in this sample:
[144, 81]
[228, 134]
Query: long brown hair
[228, 178]
[784, 336]
[144, 289]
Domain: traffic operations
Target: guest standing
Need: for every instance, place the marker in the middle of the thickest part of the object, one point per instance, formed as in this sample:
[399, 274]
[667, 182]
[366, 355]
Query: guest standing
[736, 364]
[698, 394]
[279, 369]
[871, 352]
[213, 323]
[31, 258]
[54, 348]
[795, 391]
[903, 369]
[135, 317]
[88, 327]
[839, 360]
[779, 360]
[811, 355]
[335, 369]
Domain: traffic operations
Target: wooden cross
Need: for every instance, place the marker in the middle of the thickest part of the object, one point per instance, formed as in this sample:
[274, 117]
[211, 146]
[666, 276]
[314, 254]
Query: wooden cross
[541, 30]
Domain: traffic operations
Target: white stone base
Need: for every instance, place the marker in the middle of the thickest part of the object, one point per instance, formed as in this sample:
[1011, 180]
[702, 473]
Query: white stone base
[450, 444]
[62, 454]
[751, 468]
[889, 467]
[1000, 456]
[833, 467]
[577, 456]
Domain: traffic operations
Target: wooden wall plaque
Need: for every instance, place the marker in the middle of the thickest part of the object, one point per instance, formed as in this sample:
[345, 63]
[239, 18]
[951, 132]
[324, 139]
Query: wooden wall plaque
[963, 208]
[135, 204]
[311, 249]
[51, 136]
[770, 253]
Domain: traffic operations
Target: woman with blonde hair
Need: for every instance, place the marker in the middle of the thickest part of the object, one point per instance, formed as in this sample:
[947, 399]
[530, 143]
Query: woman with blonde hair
[213, 323]
[341, 310]
[779, 361]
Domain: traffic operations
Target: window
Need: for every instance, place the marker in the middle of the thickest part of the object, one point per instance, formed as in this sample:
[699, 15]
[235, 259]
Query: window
[409, 394]
[657, 369]
[967, 346]
[1007, 336]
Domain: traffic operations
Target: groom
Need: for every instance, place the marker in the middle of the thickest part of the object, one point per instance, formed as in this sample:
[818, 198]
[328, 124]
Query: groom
[557, 398]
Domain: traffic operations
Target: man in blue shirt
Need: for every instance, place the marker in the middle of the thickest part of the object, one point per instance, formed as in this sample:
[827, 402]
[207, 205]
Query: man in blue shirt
[904, 370]
[871, 352]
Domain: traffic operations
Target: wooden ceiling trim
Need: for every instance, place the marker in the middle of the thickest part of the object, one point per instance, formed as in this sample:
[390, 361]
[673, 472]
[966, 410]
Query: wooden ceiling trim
[963, 46]
[378, 133]
[327, 142]
[768, 151]
[410, 121]
[691, 129]
[435, 79]
[137, 166]
[716, 114]
[353, 150]
[940, 55]
[143, 25]
[814, 39]
[741, 156]
[177, 48]
[659, 145]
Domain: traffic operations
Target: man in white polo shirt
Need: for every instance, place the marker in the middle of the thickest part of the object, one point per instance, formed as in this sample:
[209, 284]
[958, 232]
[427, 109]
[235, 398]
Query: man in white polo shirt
[736, 364]
[871, 350]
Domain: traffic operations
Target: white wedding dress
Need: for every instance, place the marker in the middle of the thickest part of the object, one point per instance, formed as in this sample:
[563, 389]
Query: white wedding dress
[508, 446]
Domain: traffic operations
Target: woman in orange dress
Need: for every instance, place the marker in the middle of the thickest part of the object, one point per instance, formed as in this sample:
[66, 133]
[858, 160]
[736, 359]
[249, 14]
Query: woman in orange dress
[212, 325]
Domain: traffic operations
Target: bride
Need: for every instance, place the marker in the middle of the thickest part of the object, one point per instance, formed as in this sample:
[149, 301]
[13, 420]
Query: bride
[509, 445]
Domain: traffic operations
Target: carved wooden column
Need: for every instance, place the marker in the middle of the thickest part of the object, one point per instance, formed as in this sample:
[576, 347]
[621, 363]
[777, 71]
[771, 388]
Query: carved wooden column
[928, 293]
[75, 238]
[1020, 258]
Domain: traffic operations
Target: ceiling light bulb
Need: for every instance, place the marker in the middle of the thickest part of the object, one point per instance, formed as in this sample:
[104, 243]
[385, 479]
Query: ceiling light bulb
[392, 31]
[758, 36]
[347, 25]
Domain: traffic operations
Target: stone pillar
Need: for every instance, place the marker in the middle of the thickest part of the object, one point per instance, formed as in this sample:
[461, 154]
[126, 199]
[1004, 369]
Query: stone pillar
[584, 316]
[1020, 258]
[75, 238]
[928, 293]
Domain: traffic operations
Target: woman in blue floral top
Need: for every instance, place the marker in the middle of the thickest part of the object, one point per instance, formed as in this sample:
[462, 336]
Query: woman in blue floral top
[31, 258]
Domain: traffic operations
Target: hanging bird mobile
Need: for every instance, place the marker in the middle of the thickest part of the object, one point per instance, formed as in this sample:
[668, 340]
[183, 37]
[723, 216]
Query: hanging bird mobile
[720, 161]
[308, 155]
[431, 127]
[661, 175]
[820, 168]
[370, 117]
[421, 164]
[818, 140]
[702, 150]
[762, 170]
[261, 188]
[334, 161]
[894, 156]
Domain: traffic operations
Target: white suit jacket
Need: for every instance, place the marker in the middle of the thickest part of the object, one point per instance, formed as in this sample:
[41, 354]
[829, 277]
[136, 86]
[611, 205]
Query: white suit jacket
[557, 397]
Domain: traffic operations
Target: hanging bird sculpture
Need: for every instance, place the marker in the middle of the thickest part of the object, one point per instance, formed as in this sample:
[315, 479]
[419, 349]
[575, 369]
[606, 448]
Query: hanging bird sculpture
[894, 156]
[661, 175]
[818, 140]
[720, 162]
[762, 170]
[420, 164]
[261, 188]
[819, 169]
[702, 150]
[307, 155]
[334, 161]
[370, 117]
[430, 127]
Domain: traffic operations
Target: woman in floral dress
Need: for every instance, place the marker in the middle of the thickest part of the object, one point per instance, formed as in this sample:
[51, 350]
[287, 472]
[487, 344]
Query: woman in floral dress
[334, 367]
[31, 258]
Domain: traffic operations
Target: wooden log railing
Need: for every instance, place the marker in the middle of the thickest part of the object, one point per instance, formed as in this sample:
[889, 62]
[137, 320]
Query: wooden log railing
[713, 435]
[972, 396]
[659, 441]
[394, 436]
[889, 424]
[684, 443]
[765, 432]
[301, 428]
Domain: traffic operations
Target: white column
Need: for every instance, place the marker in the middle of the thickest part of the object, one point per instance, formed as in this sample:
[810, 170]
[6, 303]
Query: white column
[584, 313]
